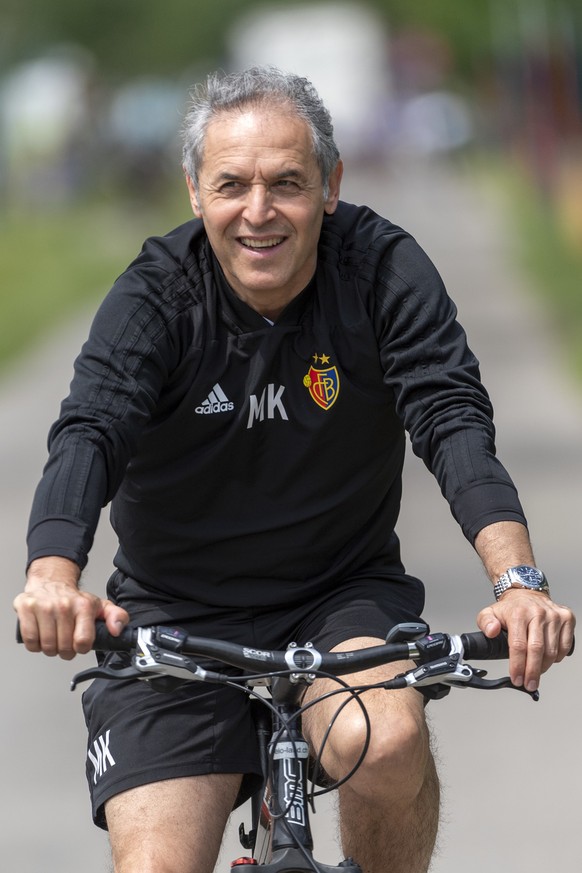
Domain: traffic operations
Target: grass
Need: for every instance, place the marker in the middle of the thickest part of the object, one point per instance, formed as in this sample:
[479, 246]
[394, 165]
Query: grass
[53, 263]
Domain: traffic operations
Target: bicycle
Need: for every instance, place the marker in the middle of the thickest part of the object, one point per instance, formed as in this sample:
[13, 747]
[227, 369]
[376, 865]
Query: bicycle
[280, 838]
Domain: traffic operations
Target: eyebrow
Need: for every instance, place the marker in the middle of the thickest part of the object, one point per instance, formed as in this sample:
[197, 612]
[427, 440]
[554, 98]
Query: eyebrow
[290, 174]
[225, 176]
[228, 177]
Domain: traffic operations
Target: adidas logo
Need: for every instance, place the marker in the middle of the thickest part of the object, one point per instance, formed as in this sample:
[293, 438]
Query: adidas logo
[217, 401]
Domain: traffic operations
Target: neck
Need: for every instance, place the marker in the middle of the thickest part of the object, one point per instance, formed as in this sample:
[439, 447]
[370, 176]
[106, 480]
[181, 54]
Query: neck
[270, 304]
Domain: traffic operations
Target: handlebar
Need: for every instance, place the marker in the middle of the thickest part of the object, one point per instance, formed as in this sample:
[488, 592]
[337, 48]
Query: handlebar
[476, 646]
[440, 658]
[473, 646]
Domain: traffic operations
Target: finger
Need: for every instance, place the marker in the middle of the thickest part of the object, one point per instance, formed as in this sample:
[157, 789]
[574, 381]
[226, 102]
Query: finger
[65, 627]
[488, 622]
[535, 651]
[114, 616]
[517, 640]
[28, 628]
[552, 641]
[566, 642]
[47, 630]
[84, 628]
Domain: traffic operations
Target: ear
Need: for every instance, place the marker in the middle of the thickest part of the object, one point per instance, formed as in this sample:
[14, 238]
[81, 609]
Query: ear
[335, 178]
[194, 203]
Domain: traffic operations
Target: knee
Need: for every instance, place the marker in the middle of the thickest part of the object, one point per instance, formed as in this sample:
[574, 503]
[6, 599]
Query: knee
[397, 755]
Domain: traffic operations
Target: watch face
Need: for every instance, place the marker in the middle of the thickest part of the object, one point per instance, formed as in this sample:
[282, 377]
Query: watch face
[529, 577]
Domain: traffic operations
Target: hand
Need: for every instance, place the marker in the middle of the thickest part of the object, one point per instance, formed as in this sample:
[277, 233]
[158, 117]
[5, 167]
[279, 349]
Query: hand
[55, 616]
[539, 631]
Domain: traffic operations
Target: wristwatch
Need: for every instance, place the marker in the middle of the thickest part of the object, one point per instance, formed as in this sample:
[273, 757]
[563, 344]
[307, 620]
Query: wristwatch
[521, 577]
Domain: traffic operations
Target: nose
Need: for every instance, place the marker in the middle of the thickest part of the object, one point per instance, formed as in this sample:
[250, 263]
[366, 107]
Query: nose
[259, 208]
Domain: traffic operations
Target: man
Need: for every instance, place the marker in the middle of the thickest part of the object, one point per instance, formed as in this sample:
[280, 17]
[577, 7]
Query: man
[242, 401]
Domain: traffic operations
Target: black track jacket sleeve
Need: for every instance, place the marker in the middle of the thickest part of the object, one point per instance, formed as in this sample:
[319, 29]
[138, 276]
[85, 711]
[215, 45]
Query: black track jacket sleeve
[439, 394]
[134, 344]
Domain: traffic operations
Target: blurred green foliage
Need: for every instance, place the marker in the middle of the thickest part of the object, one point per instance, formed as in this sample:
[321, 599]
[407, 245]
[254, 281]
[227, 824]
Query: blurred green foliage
[125, 36]
[51, 267]
[495, 45]
[146, 36]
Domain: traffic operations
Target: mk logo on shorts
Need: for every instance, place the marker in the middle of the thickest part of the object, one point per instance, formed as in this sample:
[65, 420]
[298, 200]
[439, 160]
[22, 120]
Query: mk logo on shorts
[102, 759]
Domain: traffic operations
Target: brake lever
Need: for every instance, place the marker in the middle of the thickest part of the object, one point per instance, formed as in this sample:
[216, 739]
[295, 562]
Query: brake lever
[105, 673]
[477, 681]
[152, 662]
[451, 671]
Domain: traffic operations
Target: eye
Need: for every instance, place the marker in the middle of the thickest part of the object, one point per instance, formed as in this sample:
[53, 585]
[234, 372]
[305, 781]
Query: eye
[286, 186]
[233, 186]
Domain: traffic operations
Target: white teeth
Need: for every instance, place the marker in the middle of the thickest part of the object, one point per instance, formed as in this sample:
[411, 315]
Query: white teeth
[261, 243]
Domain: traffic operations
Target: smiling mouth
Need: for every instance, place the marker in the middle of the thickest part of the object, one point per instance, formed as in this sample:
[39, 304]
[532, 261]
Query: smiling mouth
[250, 243]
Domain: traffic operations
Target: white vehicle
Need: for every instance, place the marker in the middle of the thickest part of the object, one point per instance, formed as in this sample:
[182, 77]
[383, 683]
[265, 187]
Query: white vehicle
[342, 48]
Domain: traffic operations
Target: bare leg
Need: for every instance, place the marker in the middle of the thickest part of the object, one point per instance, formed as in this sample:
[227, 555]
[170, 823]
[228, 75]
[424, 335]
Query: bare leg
[174, 826]
[389, 808]
[398, 837]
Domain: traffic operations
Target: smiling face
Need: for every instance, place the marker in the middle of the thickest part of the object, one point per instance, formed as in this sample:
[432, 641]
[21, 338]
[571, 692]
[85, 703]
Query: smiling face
[261, 197]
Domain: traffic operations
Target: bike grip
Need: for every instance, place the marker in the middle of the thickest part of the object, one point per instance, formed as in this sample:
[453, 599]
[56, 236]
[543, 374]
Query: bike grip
[104, 641]
[477, 645]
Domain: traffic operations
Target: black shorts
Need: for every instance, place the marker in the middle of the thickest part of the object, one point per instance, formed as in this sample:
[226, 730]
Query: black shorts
[139, 735]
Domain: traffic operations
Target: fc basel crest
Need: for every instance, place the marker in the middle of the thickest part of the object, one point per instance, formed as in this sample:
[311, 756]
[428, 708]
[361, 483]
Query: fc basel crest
[323, 385]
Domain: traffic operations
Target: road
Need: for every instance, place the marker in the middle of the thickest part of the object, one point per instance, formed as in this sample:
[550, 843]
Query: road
[510, 768]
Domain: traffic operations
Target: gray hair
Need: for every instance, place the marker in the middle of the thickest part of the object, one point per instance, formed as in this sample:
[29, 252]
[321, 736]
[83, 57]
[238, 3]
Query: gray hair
[255, 87]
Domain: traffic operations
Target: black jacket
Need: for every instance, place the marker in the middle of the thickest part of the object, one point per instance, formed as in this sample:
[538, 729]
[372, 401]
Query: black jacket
[246, 461]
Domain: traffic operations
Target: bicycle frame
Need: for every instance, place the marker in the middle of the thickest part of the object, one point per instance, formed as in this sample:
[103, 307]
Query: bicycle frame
[280, 834]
